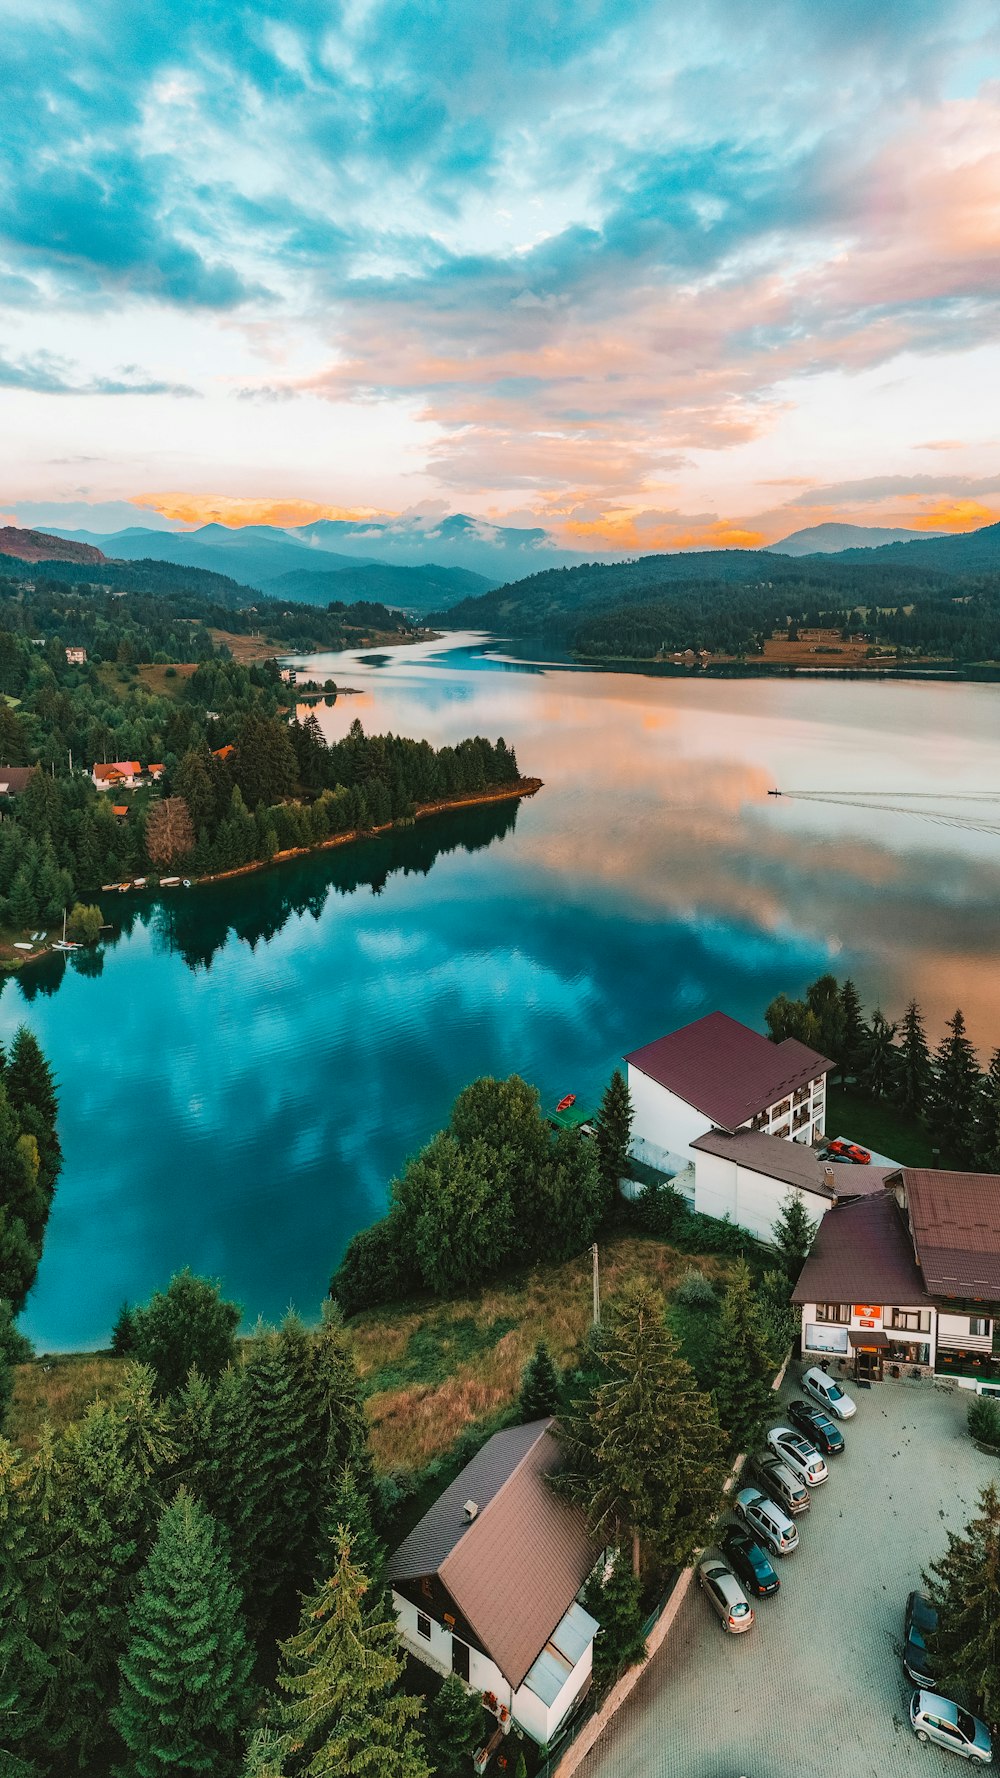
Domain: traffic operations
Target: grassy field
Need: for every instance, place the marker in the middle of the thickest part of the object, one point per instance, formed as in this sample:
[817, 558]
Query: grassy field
[430, 1371]
[882, 1127]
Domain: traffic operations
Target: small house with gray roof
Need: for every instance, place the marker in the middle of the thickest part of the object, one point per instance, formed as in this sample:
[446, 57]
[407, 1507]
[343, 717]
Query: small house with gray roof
[488, 1584]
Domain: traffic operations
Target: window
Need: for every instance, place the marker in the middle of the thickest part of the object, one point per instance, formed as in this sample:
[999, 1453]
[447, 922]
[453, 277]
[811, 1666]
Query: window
[911, 1320]
[833, 1311]
[979, 1325]
[423, 1625]
[825, 1339]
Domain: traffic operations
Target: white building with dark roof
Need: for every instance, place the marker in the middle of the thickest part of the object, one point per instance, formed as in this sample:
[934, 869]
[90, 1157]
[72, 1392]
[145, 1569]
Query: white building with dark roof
[719, 1072]
[487, 1584]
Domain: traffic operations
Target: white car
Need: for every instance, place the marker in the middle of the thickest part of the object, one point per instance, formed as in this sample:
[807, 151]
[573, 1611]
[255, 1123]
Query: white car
[829, 1394]
[801, 1457]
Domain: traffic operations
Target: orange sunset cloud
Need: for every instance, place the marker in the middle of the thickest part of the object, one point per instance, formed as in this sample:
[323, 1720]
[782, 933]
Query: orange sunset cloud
[225, 509]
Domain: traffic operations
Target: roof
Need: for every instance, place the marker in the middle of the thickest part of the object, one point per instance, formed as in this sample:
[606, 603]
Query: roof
[867, 1339]
[862, 1253]
[119, 809]
[955, 1219]
[774, 1156]
[14, 779]
[725, 1070]
[516, 1568]
[118, 768]
[223, 752]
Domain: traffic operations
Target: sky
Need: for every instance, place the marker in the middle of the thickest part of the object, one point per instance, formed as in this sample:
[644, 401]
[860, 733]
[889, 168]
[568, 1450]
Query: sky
[650, 276]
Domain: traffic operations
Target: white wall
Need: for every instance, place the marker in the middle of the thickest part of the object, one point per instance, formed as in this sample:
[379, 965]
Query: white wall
[663, 1126]
[484, 1674]
[953, 1331]
[752, 1199]
[531, 1714]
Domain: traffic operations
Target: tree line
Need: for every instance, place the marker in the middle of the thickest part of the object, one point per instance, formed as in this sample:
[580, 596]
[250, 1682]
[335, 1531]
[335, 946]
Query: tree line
[30, 1162]
[891, 1060]
[239, 782]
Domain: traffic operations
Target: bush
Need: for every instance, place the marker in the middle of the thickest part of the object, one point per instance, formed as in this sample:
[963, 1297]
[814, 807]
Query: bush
[188, 1325]
[659, 1210]
[694, 1291]
[85, 922]
[984, 1421]
[374, 1268]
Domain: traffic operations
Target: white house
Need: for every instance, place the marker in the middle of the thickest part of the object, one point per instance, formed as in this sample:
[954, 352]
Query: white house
[720, 1072]
[908, 1278]
[118, 774]
[748, 1176]
[487, 1585]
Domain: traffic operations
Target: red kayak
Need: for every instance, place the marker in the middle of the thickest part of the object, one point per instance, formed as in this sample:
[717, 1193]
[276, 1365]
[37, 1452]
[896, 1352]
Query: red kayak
[564, 1104]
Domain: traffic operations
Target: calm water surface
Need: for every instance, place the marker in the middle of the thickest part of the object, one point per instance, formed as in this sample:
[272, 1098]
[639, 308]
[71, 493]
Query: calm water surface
[250, 1062]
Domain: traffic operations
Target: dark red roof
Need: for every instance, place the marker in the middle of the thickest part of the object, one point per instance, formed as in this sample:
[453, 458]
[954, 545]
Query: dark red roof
[862, 1253]
[955, 1218]
[725, 1070]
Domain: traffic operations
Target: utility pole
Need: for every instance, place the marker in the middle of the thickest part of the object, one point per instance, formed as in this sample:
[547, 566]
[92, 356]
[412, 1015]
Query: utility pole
[597, 1287]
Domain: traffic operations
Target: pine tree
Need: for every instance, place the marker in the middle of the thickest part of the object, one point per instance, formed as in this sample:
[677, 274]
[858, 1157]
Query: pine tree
[616, 1603]
[185, 1671]
[793, 1235]
[614, 1133]
[780, 1317]
[824, 1000]
[915, 1078]
[988, 1135]
[956, 1097]
[644, 1450]
[965, 1587]
[880, 1061]
[541, 1386]
[25, 1673]
[261, 1488]
[744, 1363]
[855, 1030]
[343, 1714]
[349, 1517]
[455, 1729]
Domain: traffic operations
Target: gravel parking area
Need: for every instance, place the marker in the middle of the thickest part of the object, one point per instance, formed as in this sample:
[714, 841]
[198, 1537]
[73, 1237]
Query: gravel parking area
[817, 1688]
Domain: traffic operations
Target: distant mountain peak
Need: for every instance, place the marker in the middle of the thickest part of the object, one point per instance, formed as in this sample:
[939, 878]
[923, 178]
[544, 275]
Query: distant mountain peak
[827, 539]
[41, 546]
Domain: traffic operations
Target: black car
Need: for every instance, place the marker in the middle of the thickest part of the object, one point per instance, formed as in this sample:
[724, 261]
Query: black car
[749, 1562]
[920, 1620]
[818, 1427]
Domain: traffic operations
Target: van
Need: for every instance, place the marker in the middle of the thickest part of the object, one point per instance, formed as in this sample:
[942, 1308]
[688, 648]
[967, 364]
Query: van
[781, 1484]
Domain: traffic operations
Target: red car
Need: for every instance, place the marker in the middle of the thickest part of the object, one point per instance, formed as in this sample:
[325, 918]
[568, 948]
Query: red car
[838, 1150]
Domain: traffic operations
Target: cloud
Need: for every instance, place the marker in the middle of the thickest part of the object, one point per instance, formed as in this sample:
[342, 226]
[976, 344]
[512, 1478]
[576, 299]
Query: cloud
[892, 487]
[205, 509]
[44, 373]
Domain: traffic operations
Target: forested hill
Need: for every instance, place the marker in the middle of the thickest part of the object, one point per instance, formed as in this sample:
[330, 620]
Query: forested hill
[731, 602]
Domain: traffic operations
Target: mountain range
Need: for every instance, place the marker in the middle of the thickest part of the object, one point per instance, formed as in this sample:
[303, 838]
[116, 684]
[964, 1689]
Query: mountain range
[830, 539]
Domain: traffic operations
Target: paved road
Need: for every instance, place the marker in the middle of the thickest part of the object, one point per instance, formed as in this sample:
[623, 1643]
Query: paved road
[816, 1689]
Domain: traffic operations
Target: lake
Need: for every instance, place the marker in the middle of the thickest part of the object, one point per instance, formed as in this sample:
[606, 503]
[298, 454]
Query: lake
[246, 1064]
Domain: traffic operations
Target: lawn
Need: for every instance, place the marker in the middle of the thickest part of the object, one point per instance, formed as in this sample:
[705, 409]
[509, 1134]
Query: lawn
[882, 1127]
[430, 1371]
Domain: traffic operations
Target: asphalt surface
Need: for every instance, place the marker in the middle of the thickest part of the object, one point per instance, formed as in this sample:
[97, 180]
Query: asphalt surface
[816, 1689]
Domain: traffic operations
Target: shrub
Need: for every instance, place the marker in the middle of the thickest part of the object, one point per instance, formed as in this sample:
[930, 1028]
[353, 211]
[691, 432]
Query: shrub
[984, 1421]
[188, 1324]
[694, 1291]
[85, 922]
[374, 1268]
[659, 1210]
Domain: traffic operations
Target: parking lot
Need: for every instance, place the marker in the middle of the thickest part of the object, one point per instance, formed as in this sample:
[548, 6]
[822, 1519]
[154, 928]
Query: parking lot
[816, 1689]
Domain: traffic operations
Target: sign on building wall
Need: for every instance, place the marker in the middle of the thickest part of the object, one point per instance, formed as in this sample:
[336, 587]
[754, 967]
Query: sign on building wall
[821, 1338]
[868, 1313]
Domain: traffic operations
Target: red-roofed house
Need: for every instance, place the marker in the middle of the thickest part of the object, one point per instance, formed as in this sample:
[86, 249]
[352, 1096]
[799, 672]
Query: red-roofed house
[155, 772]
[118, 774]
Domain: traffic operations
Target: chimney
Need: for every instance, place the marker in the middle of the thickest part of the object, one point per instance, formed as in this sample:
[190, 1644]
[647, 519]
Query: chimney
[470, 1510]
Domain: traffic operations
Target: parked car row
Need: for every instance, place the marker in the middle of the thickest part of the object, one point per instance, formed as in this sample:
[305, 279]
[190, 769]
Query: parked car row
[786, 1470]
[934, 1717]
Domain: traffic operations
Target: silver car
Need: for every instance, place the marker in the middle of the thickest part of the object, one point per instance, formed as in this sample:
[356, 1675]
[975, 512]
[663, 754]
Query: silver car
[782, 1485]
[828, 1393]
[770, 1522]
[939, 1720]
[800, 1456]
[725, 1595]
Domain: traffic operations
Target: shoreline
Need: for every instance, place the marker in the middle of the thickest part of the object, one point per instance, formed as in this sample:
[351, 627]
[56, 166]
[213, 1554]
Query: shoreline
[503, 793]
